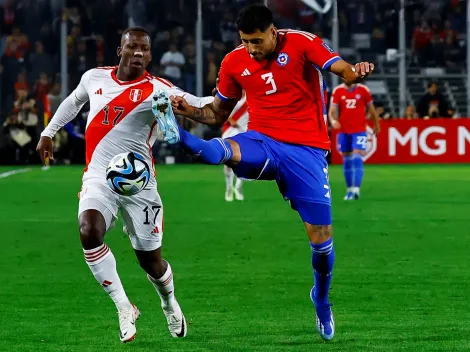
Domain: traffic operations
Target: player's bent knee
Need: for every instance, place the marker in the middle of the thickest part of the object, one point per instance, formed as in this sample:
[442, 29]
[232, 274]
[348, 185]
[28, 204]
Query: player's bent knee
[92, 227]
[318, 234]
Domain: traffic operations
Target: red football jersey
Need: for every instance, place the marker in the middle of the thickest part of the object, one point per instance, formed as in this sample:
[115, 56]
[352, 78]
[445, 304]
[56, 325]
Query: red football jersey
[284, 92]
[352, 107]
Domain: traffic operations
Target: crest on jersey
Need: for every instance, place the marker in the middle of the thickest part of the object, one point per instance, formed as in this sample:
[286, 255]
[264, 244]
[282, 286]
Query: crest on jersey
[135, 95]
[358, 96]
[282, 59]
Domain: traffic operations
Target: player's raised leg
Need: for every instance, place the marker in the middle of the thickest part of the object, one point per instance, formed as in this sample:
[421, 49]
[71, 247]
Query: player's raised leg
[143, 220]
[93, 225]
[215, 151]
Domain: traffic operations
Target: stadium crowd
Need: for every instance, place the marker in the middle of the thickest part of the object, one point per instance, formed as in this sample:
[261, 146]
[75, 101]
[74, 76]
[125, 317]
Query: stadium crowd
[30, 51]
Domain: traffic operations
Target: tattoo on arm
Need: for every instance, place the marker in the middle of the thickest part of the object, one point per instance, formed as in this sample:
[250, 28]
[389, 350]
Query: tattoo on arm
[214, 114]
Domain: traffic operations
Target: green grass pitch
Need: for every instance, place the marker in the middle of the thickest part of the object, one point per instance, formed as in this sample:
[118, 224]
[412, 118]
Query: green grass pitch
[242, 270]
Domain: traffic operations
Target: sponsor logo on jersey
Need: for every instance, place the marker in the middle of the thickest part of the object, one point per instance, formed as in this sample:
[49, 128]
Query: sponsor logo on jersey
[135, 95]
[328, 48]
[282, 59]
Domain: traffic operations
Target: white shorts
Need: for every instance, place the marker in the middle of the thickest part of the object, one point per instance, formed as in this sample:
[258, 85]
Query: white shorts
[231, 131]
[142, 213]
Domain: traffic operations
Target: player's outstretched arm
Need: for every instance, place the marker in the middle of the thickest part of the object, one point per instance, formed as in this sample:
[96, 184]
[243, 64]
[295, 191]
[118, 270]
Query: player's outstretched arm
[213, 114]
[65, 113]
[333, 117]
[352, 73]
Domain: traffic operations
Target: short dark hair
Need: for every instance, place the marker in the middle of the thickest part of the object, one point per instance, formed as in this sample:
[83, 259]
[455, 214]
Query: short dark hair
[254, 17]
[136, 29]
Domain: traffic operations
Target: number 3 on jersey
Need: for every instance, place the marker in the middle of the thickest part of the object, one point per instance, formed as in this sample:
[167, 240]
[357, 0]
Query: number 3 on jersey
[268, 77]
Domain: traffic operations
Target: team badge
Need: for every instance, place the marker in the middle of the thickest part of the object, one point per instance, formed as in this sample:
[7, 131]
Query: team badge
[282, 59]
[135, 95]
[358, 96]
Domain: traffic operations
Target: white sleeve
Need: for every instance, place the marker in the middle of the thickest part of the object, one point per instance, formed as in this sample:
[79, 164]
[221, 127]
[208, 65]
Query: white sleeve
[69, 108]
[191, 99]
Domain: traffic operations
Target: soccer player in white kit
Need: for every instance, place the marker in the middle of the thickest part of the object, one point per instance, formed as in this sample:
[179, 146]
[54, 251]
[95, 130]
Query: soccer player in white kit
[236, 123]
[121, 120]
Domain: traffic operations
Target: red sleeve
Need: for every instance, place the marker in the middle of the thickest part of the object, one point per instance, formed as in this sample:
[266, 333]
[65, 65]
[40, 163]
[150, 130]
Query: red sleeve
[367, 96]
[317, 51]
[228, 88]
[334, 97]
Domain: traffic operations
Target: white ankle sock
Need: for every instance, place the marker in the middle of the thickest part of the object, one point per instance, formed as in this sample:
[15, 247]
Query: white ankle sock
[102, 264]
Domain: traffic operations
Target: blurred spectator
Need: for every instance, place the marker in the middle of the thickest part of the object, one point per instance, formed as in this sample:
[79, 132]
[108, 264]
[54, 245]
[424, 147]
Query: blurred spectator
[172, 62]
[379, 107]
[80, 62]
[433, 103]
[40, 61]
[212, 72]
[228, 29]
[410, 113]
[190, 68]
[21, 83]
[17, 45]
[421, 41]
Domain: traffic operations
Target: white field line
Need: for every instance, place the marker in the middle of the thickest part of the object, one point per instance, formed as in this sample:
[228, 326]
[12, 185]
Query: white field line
[14, 172]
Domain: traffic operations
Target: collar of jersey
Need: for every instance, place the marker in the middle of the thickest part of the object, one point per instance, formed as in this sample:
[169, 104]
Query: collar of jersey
[121, 83]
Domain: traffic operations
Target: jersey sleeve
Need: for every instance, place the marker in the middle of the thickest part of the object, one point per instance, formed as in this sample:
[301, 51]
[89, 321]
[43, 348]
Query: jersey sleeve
[228, 88]
[81, 92]
[191, 99]
[318, 52]
[367, 96]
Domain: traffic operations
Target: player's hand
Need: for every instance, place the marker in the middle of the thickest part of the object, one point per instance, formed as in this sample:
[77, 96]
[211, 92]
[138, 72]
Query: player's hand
[181, 107]
[45, 149]
[363, 69]
[335, 124]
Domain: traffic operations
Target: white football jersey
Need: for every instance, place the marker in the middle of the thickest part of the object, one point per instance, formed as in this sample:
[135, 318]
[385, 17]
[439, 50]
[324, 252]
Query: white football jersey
[120, 118]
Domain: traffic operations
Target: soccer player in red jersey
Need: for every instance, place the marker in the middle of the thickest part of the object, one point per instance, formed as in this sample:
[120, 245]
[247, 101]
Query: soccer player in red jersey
[287, 138]
[348, 113]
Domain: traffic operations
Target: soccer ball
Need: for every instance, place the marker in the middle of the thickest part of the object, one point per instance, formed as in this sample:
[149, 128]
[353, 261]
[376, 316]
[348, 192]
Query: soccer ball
[127, 173]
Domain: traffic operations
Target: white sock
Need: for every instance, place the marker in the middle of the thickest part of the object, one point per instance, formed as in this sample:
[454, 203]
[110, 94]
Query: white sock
[102, 264]
[238, 184]
[356, 189]
[165, 287]
[228, 172]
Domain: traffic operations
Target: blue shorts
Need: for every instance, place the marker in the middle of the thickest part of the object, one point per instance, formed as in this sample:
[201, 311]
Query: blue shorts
[347, 142]
[301, 173]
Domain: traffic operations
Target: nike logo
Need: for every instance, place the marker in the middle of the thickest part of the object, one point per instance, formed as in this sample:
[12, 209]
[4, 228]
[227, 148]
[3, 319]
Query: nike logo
[181, 334]
[123, 334]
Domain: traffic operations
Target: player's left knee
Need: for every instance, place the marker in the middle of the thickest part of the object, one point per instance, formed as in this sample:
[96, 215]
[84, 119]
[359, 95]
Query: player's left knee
[318, 233]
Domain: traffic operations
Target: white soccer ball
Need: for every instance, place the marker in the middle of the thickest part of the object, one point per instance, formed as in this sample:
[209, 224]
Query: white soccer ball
[127, 173]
